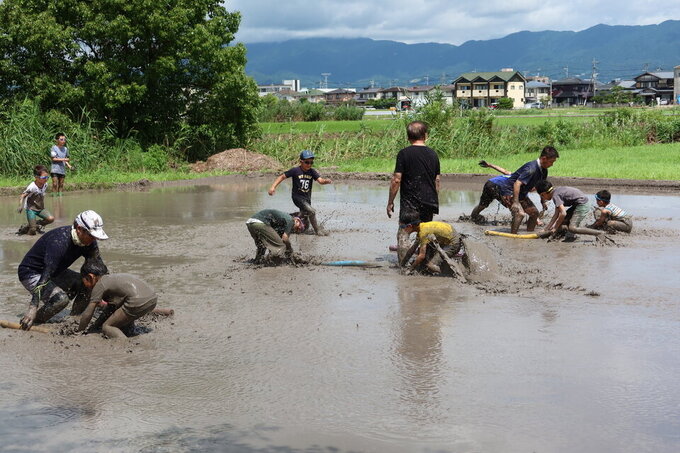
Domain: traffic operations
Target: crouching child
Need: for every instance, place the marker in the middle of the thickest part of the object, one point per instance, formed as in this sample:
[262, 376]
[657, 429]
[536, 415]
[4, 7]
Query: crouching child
[428, 257]
[128, 297]
[610, 217]
[571, 209]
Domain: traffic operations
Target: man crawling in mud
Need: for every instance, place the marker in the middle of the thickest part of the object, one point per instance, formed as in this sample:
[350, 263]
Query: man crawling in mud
[428, 257]
[44, 270]
[271, 230]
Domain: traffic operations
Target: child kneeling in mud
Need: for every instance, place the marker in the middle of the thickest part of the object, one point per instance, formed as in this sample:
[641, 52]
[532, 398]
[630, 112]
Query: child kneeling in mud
[428, 256]
[610, 217]
[128, 296]
[564, 219]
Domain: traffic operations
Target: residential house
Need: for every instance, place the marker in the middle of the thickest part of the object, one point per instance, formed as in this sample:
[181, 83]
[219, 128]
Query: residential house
[447, 92]
[287, 85]
[656, 87]
[481, 89]
[572, 91]
[537, 92]
[396, 93]
[418, 94]
[313, 95]
[339, 96]
[367, 94]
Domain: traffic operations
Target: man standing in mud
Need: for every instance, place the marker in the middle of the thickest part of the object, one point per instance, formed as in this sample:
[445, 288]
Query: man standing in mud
[46, 263]
[512, 191]
[416, 175]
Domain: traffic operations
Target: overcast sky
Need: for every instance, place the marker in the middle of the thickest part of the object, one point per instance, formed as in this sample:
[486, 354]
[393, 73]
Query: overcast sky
[443, 21]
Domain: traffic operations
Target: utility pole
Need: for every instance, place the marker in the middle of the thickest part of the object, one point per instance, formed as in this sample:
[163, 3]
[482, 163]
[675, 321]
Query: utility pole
[594, 76]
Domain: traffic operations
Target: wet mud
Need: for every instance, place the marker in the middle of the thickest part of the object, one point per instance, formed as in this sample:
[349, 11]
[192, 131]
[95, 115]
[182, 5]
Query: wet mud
[549, 346]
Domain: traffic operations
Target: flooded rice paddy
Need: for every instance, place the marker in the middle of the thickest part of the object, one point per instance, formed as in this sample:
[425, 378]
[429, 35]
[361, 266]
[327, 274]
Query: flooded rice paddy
[573, 347]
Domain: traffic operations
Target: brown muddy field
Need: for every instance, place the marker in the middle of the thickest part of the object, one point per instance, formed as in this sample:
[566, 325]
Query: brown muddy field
[566, 347]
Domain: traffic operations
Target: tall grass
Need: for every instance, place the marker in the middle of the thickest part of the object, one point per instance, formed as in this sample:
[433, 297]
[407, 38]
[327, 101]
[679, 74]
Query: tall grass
[28, 134]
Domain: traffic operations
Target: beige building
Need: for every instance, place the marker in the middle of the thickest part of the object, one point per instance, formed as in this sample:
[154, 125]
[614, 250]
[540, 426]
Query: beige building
[481, 89]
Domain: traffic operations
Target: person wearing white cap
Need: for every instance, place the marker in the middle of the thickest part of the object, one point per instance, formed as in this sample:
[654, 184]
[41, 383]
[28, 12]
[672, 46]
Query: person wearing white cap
[42, 270]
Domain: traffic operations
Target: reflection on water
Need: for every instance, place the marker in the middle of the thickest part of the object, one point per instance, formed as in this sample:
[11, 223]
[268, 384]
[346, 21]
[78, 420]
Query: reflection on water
[346, 359]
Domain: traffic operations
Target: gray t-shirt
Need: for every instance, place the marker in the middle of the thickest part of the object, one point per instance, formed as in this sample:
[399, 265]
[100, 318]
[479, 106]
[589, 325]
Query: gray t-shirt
[122, 289]
[568, 196]
[60, 152]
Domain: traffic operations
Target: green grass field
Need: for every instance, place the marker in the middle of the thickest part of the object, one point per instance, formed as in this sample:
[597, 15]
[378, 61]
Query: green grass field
[640, 162]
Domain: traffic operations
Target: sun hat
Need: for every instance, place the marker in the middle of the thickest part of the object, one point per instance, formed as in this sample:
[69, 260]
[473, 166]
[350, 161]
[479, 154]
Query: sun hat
[92, 223]
[306, 154]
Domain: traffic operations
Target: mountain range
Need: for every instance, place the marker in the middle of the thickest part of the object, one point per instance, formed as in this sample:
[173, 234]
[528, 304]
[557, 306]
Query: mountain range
[611, 52]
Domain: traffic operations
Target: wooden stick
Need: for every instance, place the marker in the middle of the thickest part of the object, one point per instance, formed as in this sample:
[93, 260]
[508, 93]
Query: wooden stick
[163, 311]
[17, 326]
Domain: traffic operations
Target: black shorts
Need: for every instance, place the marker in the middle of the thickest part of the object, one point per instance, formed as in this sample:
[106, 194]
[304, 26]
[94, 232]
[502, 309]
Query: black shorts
[425, 212]
[57, 175]
[491, 192]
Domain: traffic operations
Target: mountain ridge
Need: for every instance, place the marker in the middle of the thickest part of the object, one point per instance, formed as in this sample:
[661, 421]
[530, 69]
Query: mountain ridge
[619, 51]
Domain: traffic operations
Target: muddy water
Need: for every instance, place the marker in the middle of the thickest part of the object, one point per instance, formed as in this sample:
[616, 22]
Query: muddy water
[574, 348]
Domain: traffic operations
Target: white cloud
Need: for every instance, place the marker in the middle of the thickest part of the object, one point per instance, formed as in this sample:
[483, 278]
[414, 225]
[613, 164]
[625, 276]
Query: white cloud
[442, 21]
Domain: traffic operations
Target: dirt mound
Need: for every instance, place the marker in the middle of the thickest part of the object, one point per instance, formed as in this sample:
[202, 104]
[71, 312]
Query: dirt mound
[237, 159]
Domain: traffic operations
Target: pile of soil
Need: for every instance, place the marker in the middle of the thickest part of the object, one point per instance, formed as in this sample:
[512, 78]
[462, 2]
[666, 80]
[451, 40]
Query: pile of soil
[237, 159]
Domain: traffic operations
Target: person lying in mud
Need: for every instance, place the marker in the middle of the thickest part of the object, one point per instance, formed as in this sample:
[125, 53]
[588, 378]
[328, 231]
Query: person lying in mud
[512, 191]
[568, 220]
[303, 178]
[127, 298]
[50, 257]
[428, 257]
[271, 230]
[610, 217]
[32, 200]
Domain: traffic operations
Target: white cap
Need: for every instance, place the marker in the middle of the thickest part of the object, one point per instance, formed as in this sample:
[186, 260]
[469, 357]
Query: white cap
[92, 223]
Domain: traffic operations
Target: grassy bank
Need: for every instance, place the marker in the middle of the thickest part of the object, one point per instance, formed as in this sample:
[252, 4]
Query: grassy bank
[639, 162]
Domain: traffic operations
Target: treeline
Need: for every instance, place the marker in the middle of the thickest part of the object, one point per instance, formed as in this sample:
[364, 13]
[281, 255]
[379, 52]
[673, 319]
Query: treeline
[140, 76]
[273, 109]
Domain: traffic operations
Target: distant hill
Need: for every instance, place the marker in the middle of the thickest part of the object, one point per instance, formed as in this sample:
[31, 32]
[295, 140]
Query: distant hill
[620, 51]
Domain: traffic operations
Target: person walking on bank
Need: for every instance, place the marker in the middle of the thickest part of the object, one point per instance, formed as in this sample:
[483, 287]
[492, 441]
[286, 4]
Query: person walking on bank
[60, 160]
[303, 178]
[417, 176]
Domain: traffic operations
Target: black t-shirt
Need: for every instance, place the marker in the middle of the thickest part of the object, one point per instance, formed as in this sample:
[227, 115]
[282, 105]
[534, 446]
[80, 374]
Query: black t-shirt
[302, 182]
[419, 167]
[53, 253]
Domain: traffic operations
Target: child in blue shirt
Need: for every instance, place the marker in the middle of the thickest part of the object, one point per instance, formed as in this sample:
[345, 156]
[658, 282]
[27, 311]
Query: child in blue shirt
[610, 217]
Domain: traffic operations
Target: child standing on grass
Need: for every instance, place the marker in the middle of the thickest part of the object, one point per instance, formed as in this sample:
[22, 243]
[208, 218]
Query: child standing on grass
[60, 160]
[303, 177]
[33, 201]
[610, 217]
[131, 297]
[567, 219]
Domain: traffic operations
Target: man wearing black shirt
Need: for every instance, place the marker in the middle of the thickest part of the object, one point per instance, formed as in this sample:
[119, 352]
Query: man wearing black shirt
[417, 175]
[49, 259]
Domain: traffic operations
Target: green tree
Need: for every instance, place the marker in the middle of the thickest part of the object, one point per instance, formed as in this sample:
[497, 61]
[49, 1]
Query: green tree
[158, 69]
[506, 103]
